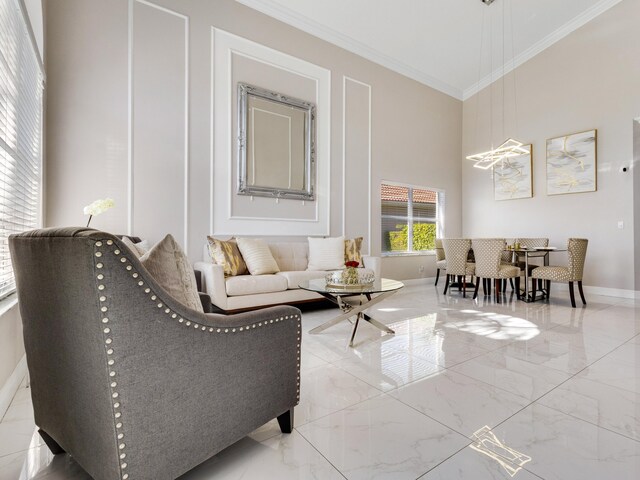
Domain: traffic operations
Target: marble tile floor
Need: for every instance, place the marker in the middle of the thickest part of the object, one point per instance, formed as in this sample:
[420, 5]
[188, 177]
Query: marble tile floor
[464, 390]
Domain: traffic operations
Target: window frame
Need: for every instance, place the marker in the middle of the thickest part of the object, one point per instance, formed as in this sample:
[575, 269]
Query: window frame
[439, 220]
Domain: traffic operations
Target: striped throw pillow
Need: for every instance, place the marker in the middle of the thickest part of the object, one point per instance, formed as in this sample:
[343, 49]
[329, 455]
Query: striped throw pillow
[257, 256]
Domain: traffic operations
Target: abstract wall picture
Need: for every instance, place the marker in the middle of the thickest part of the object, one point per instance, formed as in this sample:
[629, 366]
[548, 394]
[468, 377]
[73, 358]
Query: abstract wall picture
[571, 163]
[512, 178]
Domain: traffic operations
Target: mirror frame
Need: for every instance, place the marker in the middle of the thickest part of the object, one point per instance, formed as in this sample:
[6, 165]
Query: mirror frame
[308, 192]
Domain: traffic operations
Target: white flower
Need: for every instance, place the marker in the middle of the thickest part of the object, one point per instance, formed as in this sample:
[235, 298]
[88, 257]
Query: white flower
[99, 206]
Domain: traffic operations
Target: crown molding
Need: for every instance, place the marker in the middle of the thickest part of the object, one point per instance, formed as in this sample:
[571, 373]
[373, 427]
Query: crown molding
[569, 27]
[274, 10]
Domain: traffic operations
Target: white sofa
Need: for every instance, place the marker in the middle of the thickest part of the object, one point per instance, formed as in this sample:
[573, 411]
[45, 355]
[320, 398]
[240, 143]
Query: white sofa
[250, 291]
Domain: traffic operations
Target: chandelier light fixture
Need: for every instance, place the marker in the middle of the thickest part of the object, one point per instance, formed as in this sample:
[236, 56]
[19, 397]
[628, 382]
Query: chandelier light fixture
[510, 147]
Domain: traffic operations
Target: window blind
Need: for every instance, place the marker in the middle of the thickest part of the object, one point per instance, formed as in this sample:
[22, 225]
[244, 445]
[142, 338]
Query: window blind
[21, 93]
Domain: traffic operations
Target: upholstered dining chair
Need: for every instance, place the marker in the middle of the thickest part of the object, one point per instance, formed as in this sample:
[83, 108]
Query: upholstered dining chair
[441, 262]
[456, 251]
[488, 256]
[577, 252]
[130, 382]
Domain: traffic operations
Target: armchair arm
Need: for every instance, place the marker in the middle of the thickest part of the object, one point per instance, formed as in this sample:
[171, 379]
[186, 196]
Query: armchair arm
[214, 284]
[373, 263]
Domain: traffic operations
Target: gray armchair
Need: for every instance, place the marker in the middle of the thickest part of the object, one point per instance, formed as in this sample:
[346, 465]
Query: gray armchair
[131, 383]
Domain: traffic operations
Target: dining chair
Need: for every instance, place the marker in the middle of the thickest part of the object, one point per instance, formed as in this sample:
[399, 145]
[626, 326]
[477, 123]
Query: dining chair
[456, 251]
[441, 262]
[488, 266]
[507, 259]
[577, 252]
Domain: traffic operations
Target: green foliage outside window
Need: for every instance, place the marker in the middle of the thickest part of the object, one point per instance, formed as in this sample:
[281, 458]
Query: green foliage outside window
[424, 237]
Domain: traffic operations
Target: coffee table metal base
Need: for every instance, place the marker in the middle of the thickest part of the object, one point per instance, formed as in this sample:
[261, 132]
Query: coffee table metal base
[350, 310]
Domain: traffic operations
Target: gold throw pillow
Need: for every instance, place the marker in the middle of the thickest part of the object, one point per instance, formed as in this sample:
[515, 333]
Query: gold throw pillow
[352, 250]
[226, 253]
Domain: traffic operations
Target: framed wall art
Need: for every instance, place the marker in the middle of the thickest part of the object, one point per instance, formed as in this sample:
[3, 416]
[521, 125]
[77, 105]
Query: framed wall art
[513, 178]
[572, 163]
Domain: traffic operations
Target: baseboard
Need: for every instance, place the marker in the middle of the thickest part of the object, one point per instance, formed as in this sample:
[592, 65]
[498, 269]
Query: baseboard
[607, 292]
[563, 287]
[10, 387]
[418, 281]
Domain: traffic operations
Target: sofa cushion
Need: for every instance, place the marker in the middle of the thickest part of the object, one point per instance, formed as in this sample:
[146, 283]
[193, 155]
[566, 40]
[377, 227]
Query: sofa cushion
[170, 267]
[326, 253]
[291, 256]
[252, 284]
[257, 256]
[295, 278]
[226, 253]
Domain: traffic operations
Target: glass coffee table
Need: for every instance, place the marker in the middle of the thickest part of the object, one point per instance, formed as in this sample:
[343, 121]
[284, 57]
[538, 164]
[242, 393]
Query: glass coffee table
[360, 298]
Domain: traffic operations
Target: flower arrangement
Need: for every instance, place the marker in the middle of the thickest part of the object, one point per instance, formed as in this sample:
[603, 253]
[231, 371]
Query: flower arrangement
[98, 207]
[350, 274]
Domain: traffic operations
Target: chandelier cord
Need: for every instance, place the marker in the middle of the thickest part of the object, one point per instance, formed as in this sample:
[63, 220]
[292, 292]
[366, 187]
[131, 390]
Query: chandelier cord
[513, 72]
[504, 107]
[491, 81]
[477, 121]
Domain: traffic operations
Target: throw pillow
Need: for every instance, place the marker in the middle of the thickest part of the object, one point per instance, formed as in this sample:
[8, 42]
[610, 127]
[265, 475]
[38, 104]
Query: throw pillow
[352, 250]
[226, 253]
[170, 267]
[257, 256]
[326, 253]
[138, 249]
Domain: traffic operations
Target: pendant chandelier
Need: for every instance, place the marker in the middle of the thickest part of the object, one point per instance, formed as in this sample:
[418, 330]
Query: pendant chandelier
[510, 147]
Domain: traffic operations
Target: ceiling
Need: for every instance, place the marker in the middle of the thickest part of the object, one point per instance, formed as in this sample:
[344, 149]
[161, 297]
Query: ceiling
[444, 44]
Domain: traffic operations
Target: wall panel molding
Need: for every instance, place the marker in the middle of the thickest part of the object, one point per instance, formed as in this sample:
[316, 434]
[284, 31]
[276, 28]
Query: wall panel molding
[224, 221]
[359, 177]
[131, 181]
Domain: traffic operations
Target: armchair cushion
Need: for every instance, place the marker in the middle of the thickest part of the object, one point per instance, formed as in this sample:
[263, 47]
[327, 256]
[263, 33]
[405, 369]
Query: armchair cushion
[170, 267]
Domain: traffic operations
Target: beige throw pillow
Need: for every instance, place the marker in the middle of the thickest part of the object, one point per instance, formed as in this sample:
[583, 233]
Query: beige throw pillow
[170, 267]
[138, 249]
[326, 253]
[226, 254]
[257, 256]
[352, 250]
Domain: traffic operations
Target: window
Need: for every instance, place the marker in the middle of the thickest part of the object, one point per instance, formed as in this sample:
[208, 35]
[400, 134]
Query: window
[411, 218]
[21, 88]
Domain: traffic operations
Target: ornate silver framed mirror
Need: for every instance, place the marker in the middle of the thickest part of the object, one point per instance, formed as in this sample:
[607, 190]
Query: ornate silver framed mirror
[276, 144]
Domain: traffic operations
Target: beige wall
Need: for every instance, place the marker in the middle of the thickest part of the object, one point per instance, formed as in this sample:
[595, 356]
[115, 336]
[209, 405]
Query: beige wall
[590, 79]
[415, 134]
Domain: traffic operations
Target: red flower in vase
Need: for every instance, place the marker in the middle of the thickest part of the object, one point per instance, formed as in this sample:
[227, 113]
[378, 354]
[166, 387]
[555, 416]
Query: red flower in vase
[351, 264]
